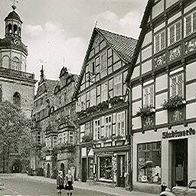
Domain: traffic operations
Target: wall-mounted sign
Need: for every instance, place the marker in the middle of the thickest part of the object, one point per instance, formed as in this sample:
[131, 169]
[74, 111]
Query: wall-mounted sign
[177, 133]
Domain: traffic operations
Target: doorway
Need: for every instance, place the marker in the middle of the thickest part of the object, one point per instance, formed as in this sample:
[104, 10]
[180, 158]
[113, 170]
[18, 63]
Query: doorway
[62, 168]
[179, 162]
[17, 167]
[48, 170]
[84, 170]
[121, 171]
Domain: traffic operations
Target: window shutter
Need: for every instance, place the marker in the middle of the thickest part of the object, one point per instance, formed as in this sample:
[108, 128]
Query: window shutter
[171, 35]
[178, 31]
[152, 95]
[180, 85]
[173, 86]
[162, 40]
[188, 24]
[157, 43]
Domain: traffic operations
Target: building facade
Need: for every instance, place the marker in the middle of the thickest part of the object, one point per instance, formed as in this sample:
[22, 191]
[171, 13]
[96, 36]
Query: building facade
[162, 82]
[56, 122]
[102, 108]
[16, 85]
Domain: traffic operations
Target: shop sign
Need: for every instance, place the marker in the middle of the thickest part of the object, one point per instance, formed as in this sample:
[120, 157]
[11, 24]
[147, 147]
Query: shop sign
[176, 133]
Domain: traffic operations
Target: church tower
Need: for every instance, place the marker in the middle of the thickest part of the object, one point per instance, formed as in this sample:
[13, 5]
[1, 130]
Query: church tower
[16, 85]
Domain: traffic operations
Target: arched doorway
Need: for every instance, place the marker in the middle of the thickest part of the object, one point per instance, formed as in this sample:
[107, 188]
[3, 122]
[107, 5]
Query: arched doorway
[48, 170]
[17, 99]
[62, 168]
[16, 167]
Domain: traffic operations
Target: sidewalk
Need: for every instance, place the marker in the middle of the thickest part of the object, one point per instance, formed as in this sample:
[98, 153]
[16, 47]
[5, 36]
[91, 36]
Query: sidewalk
[89, 186]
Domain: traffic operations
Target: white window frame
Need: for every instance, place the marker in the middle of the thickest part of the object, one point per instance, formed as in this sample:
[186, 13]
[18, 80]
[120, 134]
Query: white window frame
[192, 24]
[108, 126]
[175, 32]
[97, 129]
[120, 124]
[160, 44]
[104, 91]
[175, 83]
[118, 85]
[148, 95]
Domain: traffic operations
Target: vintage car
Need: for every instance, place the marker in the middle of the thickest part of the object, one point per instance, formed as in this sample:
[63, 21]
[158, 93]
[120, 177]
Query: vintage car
[181, 191]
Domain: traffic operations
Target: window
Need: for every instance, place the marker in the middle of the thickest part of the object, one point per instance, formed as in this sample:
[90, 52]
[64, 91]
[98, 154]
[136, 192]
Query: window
[111, 88]
[71, 137]
[6, 62]
[16, 64]
[98, 94]
[148, 95]
[190, 24]
[16, 99]
[105, 168]
[87, 99]
[93, 97]
[88, 128]
[104, 92]
[97, 129]
[177, 85]
[159, 41]
[103, 62]
[174, 33]
[108, 126]
[120, 129]
[118, 85]
[149, 162]
[83, 102]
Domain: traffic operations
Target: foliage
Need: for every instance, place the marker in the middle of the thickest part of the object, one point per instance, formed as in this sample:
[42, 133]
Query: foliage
[39, 172]
[115, 100]
[145, 111]
[30, 172]
[173, 102]
[87, 138]
[15, 131]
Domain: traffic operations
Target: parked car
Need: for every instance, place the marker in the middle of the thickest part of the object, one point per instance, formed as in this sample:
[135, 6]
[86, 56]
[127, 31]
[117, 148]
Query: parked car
[190, 190]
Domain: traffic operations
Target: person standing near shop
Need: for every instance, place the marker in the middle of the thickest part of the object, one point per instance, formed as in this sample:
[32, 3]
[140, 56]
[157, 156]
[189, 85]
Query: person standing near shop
[60, 182]
[69, 183]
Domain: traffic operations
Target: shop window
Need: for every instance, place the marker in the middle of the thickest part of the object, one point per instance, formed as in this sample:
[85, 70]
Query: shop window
[149, 162]
[105, 168]
[190, 24]
[159, 41]
[174, 33]
[91, 165]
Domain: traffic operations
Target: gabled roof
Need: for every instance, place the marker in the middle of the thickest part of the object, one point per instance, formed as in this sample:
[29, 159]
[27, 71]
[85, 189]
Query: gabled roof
[140, 40]
[123, 46]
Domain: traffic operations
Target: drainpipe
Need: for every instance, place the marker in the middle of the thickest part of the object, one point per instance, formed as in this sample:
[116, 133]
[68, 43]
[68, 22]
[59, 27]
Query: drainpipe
[130, 141]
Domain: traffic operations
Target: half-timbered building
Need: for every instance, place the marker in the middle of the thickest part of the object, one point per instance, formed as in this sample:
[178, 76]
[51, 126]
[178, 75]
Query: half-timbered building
[162, 82]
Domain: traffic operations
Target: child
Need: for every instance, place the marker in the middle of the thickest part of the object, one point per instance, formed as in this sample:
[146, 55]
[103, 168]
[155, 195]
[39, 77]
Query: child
[60, 182]
[69, 183]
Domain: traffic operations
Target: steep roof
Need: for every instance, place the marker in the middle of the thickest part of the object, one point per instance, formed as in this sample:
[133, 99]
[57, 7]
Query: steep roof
[141, 38]
[123, 46]
[13, 15]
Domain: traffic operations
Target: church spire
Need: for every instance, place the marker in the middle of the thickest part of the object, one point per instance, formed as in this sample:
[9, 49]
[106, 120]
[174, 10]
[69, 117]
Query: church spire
[42, 74]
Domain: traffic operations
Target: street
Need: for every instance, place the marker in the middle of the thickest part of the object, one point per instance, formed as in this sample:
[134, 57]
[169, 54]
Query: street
[14, 186]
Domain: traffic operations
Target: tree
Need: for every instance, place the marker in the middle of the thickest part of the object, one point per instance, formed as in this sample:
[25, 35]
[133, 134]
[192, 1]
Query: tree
[14, 133]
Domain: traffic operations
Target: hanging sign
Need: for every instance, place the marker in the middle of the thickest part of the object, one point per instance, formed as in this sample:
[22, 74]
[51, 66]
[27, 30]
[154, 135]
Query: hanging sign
[177, 133]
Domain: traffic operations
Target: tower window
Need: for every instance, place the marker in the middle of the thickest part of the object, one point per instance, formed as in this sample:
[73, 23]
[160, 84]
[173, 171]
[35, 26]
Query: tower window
[9, 28]
[16, 64]
[16, 99]
[15, 29]
[5, 62]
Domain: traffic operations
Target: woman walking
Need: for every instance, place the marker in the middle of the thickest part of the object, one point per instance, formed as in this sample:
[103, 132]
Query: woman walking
[60, 182]
[69, 183]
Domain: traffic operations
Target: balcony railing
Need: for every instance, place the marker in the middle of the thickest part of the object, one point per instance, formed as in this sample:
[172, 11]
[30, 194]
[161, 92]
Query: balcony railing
[15, 73]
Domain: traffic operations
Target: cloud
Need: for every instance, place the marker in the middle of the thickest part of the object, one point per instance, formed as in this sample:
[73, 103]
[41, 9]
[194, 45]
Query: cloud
[49, 45]
[128, 24]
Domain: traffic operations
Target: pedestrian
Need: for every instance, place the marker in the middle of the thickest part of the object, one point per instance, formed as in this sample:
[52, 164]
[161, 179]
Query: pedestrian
[69, 183]
[60, 182]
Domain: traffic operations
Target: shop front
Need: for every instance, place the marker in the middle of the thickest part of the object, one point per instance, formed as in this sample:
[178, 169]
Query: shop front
[165, 156]
[112, 166]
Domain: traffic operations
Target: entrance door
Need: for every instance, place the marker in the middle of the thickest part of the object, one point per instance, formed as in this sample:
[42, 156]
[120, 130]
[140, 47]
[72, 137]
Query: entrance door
[84, 170]
[179, 163]
[121, 171]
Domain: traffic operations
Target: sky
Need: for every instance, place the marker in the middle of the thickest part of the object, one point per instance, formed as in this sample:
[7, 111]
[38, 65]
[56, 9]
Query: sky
[57, 32]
